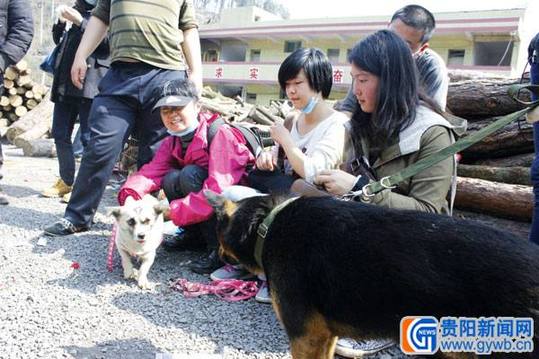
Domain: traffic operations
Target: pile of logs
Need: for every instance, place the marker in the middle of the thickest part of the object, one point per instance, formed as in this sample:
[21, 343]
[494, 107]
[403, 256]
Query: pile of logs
[494, 174]
[21, 94]
[236, 110]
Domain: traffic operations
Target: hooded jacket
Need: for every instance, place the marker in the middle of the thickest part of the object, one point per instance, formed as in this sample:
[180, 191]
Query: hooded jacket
[426, 191]
[226, 159]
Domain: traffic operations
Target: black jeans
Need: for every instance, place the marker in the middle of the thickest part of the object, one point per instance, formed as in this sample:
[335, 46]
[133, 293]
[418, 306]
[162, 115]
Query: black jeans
[124, 104]
[64, 117]
[178, 184]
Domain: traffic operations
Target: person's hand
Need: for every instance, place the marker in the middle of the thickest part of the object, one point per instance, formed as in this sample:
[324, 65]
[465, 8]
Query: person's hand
[59, 11]
[280, 134]
[336, 182]
[197, 80]
[72, 15]
[78, 72]
[266, 161]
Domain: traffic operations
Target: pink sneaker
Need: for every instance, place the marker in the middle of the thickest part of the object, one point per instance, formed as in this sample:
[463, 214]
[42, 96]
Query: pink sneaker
[230, 271]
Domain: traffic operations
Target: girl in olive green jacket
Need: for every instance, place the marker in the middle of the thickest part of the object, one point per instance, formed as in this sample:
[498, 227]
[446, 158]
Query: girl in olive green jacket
[394, 127]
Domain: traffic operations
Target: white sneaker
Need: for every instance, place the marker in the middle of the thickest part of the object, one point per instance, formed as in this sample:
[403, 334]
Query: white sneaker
[263, 294]
[230, 271]
[350, 348]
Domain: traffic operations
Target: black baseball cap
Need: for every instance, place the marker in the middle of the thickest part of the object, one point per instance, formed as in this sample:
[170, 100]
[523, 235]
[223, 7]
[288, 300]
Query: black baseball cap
[177, 93]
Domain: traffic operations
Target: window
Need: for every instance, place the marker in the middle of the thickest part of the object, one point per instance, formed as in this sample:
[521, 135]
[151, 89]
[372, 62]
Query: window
[250, 98]
[455, 57]
[493, 53]
[333, 55]
[211, 56]
[255, 55]
[291, 46]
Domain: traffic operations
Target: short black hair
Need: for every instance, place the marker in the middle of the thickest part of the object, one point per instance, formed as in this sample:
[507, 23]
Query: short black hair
[316, 66]
[417, 17]
[183, 87]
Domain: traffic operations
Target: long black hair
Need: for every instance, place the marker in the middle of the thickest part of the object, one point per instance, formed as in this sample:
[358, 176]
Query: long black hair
[385, 55]
[316, 66]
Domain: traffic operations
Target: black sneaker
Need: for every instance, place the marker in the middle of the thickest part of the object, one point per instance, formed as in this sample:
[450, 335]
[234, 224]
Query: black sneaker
[207, 263]
[63, 228]
[184, 240]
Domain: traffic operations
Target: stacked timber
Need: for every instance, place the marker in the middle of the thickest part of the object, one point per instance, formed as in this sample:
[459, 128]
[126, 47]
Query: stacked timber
[494, 174]
[21, 94]
[25, 112]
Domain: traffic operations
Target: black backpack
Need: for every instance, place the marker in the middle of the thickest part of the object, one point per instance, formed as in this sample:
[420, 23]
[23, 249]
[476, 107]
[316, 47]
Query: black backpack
[255, 137]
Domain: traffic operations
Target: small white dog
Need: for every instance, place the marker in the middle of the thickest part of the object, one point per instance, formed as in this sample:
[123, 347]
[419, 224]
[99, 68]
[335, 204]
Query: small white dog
[139, 233]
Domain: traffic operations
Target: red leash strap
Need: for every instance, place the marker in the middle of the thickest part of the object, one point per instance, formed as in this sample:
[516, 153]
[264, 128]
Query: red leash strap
[231, 290]
[110, 252]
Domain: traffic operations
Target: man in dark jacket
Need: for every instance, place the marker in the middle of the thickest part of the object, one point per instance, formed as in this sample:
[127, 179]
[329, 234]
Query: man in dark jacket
[16, 32]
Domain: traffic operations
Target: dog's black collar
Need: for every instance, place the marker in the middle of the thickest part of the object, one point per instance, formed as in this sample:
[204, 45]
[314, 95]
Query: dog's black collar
[264, 228]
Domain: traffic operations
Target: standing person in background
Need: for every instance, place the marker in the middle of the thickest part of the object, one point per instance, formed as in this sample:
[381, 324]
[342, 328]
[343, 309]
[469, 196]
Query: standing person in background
[533, 59]
[16, 32]
[70, 101]
[146, 51]
[415, 25]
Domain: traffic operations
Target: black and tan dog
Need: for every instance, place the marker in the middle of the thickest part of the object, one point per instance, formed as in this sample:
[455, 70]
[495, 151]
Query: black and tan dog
[354, 270]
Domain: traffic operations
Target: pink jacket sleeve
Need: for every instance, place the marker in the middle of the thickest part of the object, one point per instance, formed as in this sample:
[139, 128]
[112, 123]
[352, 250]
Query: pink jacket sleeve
[228, 158]
[149, 177]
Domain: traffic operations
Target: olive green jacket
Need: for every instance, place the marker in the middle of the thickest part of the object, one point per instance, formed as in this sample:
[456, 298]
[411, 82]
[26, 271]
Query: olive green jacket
[428, 190]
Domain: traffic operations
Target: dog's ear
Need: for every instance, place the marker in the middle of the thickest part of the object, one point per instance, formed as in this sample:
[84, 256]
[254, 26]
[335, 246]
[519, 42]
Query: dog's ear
[115, 211]
[224, 208]
[161, 207]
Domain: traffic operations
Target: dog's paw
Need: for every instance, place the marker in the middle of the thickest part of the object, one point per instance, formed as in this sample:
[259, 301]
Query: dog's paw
[146, 285]
[131, 274]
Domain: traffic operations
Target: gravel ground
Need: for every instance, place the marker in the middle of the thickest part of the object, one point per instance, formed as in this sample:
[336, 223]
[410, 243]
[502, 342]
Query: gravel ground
[49, 310]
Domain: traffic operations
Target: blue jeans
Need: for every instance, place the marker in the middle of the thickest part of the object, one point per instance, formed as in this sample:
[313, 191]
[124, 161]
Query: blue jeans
[63, 120]
[534, 230]
[124, 105]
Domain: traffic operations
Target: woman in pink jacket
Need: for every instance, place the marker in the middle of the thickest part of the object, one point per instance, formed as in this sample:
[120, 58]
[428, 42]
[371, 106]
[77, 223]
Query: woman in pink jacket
[185, 165]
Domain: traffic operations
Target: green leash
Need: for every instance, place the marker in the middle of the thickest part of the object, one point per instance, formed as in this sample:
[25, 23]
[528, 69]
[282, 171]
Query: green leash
[388, 182]
[264, 228]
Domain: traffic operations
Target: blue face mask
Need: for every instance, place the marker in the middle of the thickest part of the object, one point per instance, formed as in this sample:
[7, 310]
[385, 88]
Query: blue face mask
[91, 2]
[187, 131]
[310, 106]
